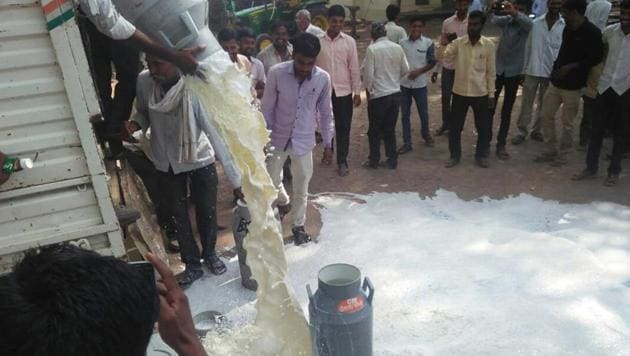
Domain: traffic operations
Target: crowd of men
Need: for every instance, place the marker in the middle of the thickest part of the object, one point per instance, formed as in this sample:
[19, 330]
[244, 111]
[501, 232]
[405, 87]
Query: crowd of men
[307, 87]
[308, 83]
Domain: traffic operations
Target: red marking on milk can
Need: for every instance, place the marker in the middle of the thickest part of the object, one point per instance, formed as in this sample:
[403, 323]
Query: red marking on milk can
[352, 305]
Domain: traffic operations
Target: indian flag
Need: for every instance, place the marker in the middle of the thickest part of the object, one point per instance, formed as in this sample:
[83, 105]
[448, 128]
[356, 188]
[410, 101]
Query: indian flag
[57, 12]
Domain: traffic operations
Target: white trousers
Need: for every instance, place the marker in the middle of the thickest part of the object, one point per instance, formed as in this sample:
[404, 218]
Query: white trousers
[302, 171]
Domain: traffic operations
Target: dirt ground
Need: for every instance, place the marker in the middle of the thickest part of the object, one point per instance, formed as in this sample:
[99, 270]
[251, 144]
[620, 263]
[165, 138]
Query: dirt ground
[422, 170]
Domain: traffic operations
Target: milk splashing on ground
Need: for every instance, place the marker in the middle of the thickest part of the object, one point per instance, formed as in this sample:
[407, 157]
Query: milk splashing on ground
[280, 327]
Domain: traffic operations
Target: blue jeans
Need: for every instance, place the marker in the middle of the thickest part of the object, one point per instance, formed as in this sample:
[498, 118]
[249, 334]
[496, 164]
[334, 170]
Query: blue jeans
[420, 96]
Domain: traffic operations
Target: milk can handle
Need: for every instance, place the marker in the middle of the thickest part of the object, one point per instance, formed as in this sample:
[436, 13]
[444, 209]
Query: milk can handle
[310, 295]
[370, 287]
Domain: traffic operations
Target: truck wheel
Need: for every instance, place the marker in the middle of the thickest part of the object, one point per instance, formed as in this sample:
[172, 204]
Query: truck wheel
[262, 41]
[318, 16]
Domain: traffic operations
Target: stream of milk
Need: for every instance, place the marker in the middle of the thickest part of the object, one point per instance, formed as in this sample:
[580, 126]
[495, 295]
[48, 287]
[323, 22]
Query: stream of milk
[280, 327]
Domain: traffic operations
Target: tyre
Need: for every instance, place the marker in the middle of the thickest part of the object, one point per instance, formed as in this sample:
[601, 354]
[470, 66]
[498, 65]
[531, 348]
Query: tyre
[262, 41]
[318, 16]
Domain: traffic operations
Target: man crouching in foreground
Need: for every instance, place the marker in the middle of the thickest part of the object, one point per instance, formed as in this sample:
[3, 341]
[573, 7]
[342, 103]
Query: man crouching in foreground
[64, 300]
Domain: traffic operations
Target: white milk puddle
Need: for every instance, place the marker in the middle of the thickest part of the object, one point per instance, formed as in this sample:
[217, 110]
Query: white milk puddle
[513, 276]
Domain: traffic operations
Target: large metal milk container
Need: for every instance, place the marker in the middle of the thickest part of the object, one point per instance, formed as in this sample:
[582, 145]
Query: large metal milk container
[240, 223]
[176, 24]
[340, 312]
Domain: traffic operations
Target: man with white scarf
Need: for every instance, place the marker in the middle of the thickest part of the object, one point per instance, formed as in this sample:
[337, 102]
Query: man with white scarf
[183, 148]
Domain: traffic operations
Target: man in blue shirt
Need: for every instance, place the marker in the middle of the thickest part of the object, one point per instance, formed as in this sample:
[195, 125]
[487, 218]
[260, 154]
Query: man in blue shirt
[420, 54]
[510, 58]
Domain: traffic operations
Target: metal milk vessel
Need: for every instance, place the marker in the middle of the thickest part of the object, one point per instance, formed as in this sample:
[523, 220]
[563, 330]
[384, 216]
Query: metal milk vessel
[176, 24]
[340, 312]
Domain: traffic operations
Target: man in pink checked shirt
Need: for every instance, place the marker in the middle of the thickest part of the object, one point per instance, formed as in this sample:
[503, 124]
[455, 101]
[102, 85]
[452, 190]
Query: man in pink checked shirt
[339, 58]
[297, 97]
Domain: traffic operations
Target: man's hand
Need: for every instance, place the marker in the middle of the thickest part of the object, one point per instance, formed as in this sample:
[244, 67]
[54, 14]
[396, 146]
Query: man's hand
[238, 194]
[129, 127]
[434, 77]
[328, 155]
[414, 74]
[444, 39]
[491, 103]
[186, 61]
[175, 323]
[356, 100]
[563, 71]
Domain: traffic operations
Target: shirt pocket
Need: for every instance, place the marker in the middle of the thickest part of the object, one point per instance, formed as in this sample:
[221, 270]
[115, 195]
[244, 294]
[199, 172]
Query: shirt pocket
[479, 62]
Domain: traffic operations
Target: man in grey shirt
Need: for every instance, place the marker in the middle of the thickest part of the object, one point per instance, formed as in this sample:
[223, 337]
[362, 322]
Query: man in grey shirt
[510, 58]
[183, 147]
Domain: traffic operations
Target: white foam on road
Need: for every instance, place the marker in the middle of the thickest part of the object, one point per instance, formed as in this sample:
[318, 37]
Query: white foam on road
[517, 275]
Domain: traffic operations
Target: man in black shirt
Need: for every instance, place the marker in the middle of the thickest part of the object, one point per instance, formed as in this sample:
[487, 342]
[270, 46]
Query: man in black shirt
[581, 49]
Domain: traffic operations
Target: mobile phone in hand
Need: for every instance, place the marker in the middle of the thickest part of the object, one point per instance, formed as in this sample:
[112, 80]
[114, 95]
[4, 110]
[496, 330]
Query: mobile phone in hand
[145, 268]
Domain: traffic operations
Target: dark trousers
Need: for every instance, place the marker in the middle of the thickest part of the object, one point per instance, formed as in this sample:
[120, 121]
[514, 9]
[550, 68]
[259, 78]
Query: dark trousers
[420, 97]
[614, 113]
[145, 169]
[460, 107]
[203, 190]
[382, 117]
[589, 113]
[342, 110]
[511, 88]
[448, 79]
[102, 52]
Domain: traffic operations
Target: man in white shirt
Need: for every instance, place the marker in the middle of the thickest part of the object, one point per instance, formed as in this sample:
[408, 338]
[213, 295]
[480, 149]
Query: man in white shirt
[597, 12]
[383, 68]
[183, 148]
[280, 50]
[541, 51]
[109, 22]
[303, 22]
[420, 54]
[613, 100]
[247, 45]
[395, 33]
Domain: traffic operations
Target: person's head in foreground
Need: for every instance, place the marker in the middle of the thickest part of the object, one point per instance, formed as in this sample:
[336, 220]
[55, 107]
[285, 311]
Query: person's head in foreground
[280, 35]
[416, 27]
[163, 72]
[305, 50]
[64, 300]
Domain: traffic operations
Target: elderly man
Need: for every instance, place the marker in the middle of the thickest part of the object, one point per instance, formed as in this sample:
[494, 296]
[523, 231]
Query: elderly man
[183, 147]
[303, 22]
[297, 97]
[383, 68]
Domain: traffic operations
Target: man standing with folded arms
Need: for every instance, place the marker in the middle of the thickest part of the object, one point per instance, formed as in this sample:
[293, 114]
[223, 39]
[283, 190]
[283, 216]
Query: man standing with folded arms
[339, 58]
